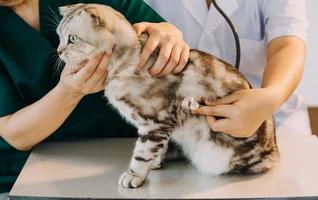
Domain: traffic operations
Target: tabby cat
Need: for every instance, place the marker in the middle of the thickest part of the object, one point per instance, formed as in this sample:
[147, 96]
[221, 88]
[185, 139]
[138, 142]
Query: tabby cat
[159, 106]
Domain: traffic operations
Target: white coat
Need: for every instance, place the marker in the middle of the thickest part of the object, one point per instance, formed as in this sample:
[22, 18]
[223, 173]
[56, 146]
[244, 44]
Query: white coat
[257, 23]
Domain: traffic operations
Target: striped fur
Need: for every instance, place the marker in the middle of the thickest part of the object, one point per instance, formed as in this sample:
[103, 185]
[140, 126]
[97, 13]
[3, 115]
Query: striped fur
[154, 104]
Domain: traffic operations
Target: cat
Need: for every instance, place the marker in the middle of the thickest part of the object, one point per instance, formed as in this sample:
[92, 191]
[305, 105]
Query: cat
[159, 106]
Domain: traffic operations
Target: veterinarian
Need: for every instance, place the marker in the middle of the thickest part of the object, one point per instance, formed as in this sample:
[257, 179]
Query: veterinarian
[273, 36]
[35, 102]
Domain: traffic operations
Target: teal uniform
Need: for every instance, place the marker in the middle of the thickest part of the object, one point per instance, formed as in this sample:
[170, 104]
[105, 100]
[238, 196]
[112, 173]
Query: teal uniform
[27, 73]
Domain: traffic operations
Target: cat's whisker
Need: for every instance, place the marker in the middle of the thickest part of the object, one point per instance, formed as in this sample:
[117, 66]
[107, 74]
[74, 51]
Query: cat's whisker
[55, 20]
[53, 50]
[51, 23]
[52, 53]
[54, 58]
[54, 15]
[60, 64]
[57, 63]
[50, 26]
[48, 30]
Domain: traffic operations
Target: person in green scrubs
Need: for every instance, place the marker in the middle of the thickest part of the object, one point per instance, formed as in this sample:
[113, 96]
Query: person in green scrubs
[38, 103]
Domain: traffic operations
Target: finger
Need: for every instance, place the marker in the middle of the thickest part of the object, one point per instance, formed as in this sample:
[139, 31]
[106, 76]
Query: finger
[72, 69]
[102, 66]
[98, 66]
[80, 66]
[86, 72]
[183, 61]
[99, 72]
[224, 100]
[210, 120]
[173, 61]
[149, 47]
[164, 56]
[222, 125]
[99, 84]
[140, 27]
[67, 70]
[219, 110]
[104, 78]
[83, 63]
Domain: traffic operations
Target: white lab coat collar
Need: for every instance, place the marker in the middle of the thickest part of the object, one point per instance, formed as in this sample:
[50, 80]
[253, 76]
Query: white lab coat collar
[198, 9]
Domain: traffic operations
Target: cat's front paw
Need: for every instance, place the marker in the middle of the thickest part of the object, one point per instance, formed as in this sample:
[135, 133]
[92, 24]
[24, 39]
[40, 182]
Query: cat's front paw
[130, 180]
[157, 164]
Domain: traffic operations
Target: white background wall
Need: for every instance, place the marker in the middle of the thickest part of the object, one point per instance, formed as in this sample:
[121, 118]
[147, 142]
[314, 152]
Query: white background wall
[309, 84]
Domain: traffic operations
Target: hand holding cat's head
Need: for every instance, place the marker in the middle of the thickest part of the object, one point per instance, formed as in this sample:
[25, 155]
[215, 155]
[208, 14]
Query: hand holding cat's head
[88, 29]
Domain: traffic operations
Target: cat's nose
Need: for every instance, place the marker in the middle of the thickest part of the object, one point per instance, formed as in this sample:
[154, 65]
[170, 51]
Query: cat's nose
[60, 50]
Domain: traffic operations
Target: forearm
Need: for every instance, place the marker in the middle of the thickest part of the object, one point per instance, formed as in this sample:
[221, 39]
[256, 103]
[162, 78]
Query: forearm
[284, 69]
[34, 123]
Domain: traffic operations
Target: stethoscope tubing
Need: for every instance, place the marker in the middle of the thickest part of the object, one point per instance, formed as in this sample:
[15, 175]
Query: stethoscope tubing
[235, 34]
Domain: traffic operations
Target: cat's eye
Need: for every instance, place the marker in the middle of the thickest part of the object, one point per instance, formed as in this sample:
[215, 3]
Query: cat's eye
[72, 39]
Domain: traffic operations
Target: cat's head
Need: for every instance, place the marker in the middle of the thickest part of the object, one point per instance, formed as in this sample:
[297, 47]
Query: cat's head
[88, 29]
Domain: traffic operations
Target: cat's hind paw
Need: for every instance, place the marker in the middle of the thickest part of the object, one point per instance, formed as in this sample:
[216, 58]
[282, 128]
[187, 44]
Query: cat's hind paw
[130, 180]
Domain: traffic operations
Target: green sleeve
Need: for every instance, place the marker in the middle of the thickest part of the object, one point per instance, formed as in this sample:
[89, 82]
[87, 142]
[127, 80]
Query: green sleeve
[10, 101]
[134, 10]
[11, 163]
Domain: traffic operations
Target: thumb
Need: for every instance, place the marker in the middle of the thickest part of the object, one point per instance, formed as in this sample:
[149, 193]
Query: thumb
[229, 99]
[140, 27]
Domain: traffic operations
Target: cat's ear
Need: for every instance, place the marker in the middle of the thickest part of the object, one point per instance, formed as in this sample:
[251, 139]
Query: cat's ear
[97, 20]
[65, 10]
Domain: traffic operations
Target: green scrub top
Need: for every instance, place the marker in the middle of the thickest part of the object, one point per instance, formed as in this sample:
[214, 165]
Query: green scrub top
[27, 73]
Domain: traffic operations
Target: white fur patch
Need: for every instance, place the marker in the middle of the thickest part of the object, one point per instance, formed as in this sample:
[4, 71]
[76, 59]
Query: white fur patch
[207, 156]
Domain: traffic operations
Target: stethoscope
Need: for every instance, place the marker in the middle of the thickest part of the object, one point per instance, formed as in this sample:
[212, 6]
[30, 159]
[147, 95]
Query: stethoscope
[191, 103]
[235, 34]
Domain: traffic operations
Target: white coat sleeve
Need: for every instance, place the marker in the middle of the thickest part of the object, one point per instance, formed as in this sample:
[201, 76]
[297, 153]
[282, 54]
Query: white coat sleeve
[285, 18]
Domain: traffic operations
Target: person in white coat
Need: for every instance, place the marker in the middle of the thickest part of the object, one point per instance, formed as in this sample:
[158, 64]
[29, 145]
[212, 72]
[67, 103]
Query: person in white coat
[273, 42]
